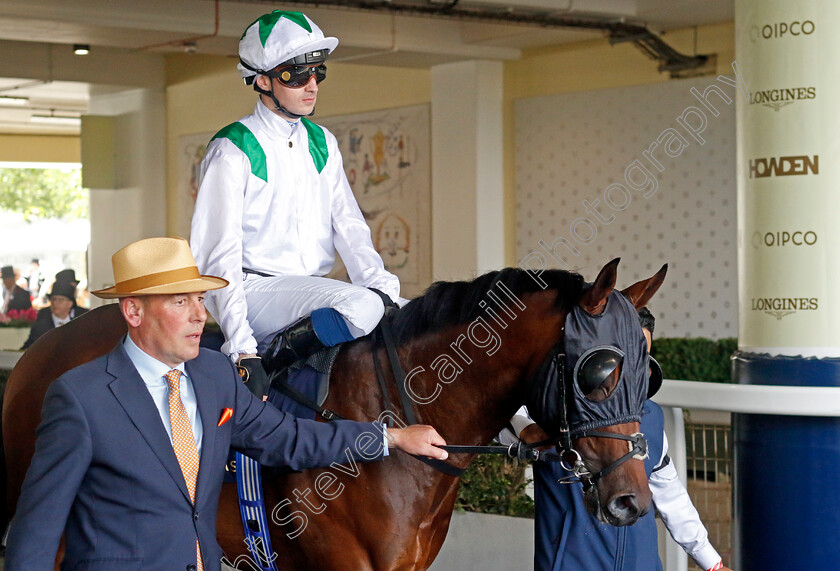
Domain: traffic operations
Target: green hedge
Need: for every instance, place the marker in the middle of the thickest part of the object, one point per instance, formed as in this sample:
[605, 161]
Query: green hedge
[695, 359]
[495, 485]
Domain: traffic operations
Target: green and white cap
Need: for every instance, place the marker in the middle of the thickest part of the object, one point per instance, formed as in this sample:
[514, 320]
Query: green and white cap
[278, 37]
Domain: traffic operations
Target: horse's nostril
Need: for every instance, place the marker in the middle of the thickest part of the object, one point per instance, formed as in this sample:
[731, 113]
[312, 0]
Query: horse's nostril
[624, 509]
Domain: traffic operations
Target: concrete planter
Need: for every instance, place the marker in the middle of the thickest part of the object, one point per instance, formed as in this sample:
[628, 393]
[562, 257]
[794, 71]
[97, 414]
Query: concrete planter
[487, 542]
[12, 338]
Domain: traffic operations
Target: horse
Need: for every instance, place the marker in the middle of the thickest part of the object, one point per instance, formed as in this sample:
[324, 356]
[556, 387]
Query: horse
[471, 349]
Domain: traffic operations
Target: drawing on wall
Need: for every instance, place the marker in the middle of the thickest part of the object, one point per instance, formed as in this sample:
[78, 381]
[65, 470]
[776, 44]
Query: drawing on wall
[191, 149]
[387, 160]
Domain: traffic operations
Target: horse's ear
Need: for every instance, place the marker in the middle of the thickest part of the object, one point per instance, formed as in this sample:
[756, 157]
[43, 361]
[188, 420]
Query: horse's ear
[640, 293]
[594, 300]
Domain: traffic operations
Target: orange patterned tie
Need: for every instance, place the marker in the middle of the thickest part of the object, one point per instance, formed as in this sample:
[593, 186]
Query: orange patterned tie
[184, 442]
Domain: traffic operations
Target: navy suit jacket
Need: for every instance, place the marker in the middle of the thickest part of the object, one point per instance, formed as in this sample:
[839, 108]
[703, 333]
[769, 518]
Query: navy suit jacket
[105, 473]
[44, 323]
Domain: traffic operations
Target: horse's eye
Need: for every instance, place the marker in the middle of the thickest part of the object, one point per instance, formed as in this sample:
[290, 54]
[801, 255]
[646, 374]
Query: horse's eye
[597, 372]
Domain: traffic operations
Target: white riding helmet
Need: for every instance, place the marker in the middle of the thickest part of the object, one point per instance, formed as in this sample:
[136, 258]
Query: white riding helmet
[277, 38]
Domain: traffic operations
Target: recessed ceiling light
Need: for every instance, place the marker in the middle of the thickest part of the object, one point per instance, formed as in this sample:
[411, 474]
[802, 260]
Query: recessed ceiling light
[11, 101]
[53, 120]
[81, 49]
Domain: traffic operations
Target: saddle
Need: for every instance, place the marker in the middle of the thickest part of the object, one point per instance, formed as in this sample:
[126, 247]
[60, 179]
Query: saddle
[309, 379]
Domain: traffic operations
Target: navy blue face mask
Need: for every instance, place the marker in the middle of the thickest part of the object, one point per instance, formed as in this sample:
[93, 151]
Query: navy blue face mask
[604, 377]
[606, 366]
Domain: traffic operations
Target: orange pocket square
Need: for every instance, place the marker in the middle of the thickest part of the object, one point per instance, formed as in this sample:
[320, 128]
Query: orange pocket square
[227, 413]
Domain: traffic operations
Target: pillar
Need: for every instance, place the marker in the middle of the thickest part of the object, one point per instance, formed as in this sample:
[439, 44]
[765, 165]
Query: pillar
[467, 181]
[785, 492]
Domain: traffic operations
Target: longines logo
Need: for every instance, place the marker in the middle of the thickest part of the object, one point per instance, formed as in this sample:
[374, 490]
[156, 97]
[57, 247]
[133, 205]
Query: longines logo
[784, 166]
[780, 307]
[784, 238]
[782, 29]
[778, 98]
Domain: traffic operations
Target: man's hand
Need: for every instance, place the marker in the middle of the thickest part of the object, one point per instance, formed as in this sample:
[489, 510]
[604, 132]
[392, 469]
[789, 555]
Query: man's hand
[253, 375]
[418, 439]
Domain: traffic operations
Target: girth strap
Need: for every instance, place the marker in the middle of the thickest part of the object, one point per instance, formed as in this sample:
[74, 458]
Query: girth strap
[252, 510]
[282, 384]
[384, 330]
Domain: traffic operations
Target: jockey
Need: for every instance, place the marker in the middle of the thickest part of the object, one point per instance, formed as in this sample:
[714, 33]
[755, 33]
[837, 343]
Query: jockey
[273, 207]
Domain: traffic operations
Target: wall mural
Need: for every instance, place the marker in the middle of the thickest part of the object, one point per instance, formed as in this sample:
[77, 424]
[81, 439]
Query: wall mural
[191, 149]
[386, 158]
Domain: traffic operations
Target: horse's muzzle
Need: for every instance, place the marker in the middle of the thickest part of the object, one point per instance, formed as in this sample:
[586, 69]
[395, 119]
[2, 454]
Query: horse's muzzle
[624, 510]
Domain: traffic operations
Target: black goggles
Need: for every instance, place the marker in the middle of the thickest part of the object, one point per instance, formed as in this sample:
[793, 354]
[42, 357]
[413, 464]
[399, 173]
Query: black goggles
[296, 76]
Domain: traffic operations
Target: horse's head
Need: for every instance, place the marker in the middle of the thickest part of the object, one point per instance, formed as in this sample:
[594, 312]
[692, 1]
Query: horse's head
[595, 388]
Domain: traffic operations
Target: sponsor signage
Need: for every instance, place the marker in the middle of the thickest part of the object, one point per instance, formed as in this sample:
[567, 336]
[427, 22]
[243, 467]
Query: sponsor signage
[776, 30]
[784, 166]
[780, 307]
[789, 303]
[777, 98]
[785, 238]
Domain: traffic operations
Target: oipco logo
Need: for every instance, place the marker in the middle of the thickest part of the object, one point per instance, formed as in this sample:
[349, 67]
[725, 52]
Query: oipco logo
[777, 98]
[780, 307]
[784, 166]
[784, 238]
[782, 29]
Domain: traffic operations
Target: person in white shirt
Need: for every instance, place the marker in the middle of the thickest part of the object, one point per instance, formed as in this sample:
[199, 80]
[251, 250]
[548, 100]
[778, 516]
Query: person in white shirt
[274, 206]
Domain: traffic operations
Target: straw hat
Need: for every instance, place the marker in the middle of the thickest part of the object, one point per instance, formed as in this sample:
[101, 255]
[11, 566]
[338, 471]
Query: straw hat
[157, 266]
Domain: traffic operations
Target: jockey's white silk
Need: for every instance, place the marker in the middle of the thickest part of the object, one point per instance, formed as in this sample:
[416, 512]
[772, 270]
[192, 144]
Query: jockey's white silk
[288, 225]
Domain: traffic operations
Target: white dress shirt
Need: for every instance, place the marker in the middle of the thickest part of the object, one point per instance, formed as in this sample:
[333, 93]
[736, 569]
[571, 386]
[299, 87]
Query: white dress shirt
[153, 373]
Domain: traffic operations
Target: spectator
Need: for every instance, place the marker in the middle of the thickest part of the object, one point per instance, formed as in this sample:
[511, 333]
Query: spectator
[34, 279]
[62, 309]
[64, 278]
[14, 296]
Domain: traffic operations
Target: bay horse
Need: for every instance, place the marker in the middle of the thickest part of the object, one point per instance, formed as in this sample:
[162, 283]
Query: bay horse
[470, 349]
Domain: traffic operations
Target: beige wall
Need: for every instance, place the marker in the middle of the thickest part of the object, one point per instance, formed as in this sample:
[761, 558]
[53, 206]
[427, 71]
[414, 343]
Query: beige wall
[587, 66]
[40, 149]
[206, 93]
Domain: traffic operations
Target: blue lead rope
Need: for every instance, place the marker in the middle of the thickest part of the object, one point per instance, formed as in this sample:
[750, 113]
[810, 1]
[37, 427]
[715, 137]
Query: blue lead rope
[252, 508]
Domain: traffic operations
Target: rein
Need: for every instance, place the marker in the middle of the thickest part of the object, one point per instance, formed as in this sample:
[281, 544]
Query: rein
[384, 330]
[551, 394]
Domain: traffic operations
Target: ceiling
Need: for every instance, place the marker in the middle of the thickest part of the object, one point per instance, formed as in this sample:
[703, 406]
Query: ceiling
[146, 29]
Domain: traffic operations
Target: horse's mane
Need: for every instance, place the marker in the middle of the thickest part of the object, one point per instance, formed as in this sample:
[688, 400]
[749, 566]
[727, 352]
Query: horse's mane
[446, 304]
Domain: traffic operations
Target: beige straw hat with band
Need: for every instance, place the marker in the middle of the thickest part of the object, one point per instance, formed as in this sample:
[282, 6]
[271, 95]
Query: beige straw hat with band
[157, 266]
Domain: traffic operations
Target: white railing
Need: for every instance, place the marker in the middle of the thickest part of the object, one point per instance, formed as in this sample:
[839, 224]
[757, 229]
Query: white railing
[674, 396]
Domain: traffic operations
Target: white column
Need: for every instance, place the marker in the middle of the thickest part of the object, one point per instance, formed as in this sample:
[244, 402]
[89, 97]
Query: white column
[136, 207]
[467, 185]
[788, 196]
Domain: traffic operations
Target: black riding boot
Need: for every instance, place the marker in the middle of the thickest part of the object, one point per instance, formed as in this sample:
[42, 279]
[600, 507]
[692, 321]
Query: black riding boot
[298, 341]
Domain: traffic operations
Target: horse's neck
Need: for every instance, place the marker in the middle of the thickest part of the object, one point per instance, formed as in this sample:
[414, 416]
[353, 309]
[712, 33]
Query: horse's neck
[473, 376]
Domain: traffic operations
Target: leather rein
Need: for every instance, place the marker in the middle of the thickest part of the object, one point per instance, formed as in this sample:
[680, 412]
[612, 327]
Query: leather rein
[569, 458]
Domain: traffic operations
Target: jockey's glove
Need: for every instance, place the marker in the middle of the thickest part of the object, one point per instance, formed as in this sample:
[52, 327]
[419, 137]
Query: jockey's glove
[253, 375]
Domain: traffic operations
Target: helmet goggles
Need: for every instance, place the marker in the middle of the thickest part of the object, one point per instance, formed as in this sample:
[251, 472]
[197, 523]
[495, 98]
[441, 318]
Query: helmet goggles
[297, 76]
